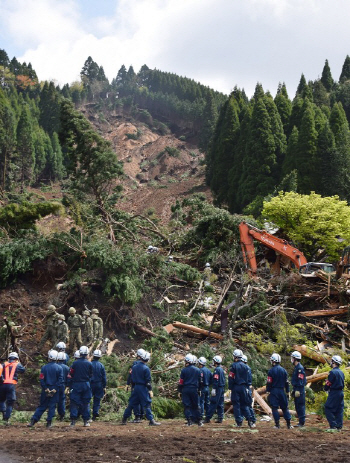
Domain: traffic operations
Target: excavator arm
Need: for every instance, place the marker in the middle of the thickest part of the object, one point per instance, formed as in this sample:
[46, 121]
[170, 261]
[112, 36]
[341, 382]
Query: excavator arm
[248, 234]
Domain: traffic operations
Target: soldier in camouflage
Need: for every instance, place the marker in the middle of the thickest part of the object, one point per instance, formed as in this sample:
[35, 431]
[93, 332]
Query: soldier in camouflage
[74, 322]
[51, 323]
[87, 329]
[62, 329]
[98, 327]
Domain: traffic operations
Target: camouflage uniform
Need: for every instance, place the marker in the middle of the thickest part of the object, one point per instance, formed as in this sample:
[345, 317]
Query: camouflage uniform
[50, 333]
[98, 327]
[87, 329]
[74, 323]
[62, 330]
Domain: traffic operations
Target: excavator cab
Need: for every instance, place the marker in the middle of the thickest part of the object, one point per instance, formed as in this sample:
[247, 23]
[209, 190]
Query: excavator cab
[309, 270]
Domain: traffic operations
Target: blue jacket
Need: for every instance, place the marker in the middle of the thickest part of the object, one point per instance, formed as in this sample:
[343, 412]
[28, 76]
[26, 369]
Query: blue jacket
[190, 377]
[141, 375]
[98, 373]
[298, 377]
[218, 378]
[206, 377]
[335, 380]
[80, 371]
[65, 371]
[51, 376]
[239, 375]
[128, 381]
[277, 377]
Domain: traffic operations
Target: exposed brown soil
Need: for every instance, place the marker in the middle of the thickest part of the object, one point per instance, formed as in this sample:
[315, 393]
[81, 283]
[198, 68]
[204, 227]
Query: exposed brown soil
[172, 441]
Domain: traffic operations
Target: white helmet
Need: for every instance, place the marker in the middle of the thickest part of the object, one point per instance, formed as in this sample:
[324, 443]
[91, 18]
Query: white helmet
[296, 355]
[337, 359]
[77, 354]
[244, 359]
[237, 353]
[84, 350]
[217, 359]
[276, 358]
[61, 345]
[13, 355]
[97, 353]
[61, 356]
[207, 264]
[195, 360]
[189, 358]
[52, 354]
[202, 360]
[141, 353]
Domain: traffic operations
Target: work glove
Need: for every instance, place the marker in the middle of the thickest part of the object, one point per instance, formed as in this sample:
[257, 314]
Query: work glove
[67, 390]
[53, 391]
[297, 394]
[213, 392]
[151, 394]
[47, 392]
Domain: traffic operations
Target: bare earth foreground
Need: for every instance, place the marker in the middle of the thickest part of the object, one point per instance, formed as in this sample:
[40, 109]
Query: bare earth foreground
[173, 442]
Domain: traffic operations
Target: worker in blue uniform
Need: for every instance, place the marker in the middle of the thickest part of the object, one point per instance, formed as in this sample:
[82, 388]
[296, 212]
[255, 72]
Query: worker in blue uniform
[61, 347]
[98, 383]
[189, 389]
[138, 409]
[334, 406]
[206, 378]
[79, 378]
[218, 382]
[9, 377]
[238, 379]
[61, 405]
[51, 380]
[277, 383]
[298, 382]
[252, 417]
[142, 392]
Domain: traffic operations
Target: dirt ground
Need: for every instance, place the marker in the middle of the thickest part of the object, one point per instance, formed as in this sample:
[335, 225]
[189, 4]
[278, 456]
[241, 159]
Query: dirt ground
[173, 442]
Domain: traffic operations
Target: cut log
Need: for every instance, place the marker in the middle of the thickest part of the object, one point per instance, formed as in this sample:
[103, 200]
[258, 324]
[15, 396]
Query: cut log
[264, 405]
[195, 329]
[311, 354]
[153, 335]
[324, 313]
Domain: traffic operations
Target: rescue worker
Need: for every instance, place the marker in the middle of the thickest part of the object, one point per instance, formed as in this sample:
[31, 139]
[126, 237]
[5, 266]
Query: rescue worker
[9, 377]
[142, 392]
[61, 329]
[252, 417]
[238, 379]
[189, 389]
[206, 378]
[98, 383]
[87, 329]
[277, 383]
[51, 323]
[207, 274]
[79, 378]
[334, 406]
[97, 326]
[298, 382]
[51, 380]
[138, 409]
[61, 347]
[74, 323]
[61, 406]
[217, 392]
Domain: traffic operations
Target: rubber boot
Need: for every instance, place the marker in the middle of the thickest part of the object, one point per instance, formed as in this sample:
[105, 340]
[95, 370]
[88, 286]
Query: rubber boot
[289, 426]
[72, 423]
[200, 423]
[94, 417]
[61, 418]
[136, 420]
[251, 424]
[189, 423]
[124, 421]
[49, 424]
[154, 423]
[86, 424]
[207, 420]
[277, 426]
[32, 423]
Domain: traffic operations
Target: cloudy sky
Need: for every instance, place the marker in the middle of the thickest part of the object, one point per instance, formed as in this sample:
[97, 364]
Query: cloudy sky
[221, 43]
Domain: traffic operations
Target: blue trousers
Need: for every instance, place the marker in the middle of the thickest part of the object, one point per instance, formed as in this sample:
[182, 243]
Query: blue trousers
[8, 395]
[240, 400]
[190, 401]
[80, 397]
[46, 403]
[299, 403]
[252, 417]
[217, 404]
[61, 405]
[204, 400]
[97, 394]
[334, 408]
[139, 396]
[278, 399]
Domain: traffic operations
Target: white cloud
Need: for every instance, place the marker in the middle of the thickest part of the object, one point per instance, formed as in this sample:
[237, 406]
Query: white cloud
[221, 43]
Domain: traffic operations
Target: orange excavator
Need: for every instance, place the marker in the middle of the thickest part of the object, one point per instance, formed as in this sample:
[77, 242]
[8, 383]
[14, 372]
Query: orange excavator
[248, 234]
